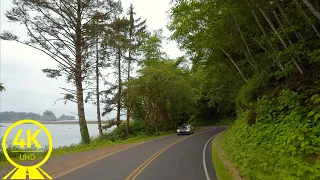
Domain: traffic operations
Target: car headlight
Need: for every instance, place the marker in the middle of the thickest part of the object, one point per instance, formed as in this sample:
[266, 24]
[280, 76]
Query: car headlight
[178, 130]
[188, 130]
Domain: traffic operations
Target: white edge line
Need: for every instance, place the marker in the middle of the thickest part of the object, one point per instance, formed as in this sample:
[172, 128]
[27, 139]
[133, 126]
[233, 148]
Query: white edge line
[204, 158]
[95, 160]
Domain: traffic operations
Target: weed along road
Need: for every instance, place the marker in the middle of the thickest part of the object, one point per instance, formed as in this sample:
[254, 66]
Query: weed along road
[173, 157]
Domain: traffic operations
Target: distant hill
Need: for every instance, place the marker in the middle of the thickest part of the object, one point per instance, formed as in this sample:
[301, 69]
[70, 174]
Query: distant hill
[47, 116]
[65, 117]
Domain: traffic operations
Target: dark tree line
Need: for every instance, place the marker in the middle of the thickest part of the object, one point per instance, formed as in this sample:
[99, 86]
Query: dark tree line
[47, 116]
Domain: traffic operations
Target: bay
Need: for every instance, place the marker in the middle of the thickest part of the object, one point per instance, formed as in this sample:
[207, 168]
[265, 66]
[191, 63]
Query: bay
[62, 134]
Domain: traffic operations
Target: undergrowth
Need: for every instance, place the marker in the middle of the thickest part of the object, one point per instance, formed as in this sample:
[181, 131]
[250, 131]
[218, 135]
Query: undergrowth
[277, 138]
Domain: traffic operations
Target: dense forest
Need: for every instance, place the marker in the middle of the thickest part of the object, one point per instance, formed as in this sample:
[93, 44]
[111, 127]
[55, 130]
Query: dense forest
[260, 60]
[252, 63]
[46, 116]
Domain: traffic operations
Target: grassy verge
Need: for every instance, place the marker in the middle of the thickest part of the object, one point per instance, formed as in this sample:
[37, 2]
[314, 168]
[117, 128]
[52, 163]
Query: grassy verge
[224, 169]
[95, 144]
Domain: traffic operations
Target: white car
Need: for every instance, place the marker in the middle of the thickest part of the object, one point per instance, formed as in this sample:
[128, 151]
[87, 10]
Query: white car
[185, 129]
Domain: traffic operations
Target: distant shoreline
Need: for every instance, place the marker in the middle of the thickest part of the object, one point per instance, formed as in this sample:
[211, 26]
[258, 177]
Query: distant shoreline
[59, 122]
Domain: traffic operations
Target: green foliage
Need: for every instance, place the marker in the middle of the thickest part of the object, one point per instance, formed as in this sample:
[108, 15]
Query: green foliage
[248, 92]
[116, 134]
[136, 131]
[260, 60]
[315, 56]
[282, 144]
[227, 121]
[165, 96]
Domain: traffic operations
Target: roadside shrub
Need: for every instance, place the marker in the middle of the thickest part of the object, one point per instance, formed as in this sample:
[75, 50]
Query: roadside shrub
[249, 91]
[227, 120]
[117, 133]
[2, 158]
[284, 143]
[136, 128]
[136, 131]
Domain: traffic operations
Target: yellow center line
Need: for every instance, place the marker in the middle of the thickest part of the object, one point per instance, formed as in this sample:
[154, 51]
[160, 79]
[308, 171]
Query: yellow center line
[98, 158]
[139, 169]
[150, 159]
[93, 160]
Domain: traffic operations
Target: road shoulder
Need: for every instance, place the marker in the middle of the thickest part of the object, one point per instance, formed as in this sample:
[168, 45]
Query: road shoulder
[60, 164]
[225, 170]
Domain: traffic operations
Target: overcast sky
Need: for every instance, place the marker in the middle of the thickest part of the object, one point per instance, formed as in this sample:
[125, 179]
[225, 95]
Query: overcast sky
[29, 90]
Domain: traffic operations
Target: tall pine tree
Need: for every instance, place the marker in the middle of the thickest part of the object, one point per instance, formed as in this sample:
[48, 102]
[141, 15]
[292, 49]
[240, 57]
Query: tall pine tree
[137, 29]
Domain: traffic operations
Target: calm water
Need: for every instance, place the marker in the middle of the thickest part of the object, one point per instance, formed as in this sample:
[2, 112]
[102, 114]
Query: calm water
[62, 134]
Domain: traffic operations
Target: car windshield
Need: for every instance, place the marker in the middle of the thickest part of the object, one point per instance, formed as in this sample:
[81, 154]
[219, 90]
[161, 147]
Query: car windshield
[183, 126]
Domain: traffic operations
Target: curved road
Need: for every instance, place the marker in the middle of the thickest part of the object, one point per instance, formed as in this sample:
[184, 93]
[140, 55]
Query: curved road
[170, 158]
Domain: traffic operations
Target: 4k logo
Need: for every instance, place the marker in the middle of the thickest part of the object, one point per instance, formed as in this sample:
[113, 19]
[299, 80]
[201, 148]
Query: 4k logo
[30, 138]
[27, 151]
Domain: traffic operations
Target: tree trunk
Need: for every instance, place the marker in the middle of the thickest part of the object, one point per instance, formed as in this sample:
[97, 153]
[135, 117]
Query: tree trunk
[85, 138]
[166, 116]
[265, 34]
[128, 96]
[97, 89]
[155, 123]
[128, 121]
[148, 110]
[312, 9]
[173, 113]
[280, 38]
[250, 59]
[281, 26]
[298, 34]
[119, 89]
[239, 70]
[273, 28]
[307, 18]
[146, 116]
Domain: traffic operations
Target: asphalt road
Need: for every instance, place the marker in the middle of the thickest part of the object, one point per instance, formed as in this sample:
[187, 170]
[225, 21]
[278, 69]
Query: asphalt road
[170, 158]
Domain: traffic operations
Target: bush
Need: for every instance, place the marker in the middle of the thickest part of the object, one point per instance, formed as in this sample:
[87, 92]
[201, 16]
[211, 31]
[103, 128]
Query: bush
[249, 91]
[284, 143]
[228, 121]
[136, 131]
